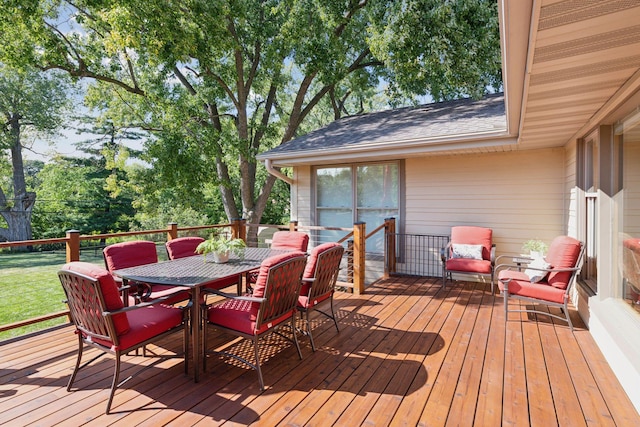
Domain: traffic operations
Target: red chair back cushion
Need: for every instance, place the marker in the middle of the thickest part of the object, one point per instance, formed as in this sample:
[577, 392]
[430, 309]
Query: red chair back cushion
[261, 282]
[110, 293]
[290, 240]
[130, 254]
[312, 263]
[563, 253]
[471, 235]
[183, 247]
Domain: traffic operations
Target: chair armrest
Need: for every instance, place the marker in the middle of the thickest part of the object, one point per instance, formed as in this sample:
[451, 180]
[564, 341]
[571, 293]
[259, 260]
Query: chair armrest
[309, 280]
[235, 297]
[444, 252]
[492, 255]
[145, 304]
[549, 270]
[522, 258]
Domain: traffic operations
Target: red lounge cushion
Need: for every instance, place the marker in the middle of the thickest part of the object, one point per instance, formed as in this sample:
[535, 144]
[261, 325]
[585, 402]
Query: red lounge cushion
[183, 247]
[563, 253]
[290, 241]
[146, 323]
[521, 285]
[130, 254]
[471, 235]
[110, 293]
[469, 265]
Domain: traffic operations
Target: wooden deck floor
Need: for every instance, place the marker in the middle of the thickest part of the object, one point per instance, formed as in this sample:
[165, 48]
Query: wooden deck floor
[407, 353]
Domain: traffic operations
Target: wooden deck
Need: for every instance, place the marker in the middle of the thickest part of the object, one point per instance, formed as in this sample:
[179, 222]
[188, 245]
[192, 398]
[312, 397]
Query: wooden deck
[407, 353]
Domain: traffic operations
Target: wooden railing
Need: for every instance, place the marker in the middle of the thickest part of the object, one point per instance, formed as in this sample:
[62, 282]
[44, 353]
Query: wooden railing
[355, 239]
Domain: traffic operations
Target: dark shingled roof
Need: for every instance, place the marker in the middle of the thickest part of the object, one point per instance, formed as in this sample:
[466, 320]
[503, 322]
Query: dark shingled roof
[393, 127]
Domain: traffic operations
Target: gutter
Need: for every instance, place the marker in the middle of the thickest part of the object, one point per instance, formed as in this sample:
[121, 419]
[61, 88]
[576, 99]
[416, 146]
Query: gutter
[277, 173]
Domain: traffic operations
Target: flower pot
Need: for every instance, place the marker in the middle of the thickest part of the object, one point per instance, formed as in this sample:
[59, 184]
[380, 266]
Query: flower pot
[220, 257]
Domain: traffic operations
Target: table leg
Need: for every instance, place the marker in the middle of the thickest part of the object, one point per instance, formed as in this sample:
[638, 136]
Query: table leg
[195, 332]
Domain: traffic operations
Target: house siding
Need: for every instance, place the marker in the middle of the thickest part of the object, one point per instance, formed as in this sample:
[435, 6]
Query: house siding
[488, 190]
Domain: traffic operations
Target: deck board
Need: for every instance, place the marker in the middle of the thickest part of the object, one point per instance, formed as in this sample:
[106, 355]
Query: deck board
[408, 353]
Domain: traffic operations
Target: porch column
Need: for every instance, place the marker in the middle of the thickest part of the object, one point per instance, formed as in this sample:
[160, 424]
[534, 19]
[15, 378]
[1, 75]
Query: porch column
[390, 249]
[73, 245]
[359, 247]
[172, 231]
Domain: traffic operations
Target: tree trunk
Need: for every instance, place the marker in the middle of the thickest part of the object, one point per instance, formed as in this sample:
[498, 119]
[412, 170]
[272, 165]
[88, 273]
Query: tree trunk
[17, 214]
[18, 219]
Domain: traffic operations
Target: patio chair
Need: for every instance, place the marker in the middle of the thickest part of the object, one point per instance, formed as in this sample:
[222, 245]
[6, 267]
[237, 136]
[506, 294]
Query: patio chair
[286, 241]
[290, 240]
[470, 251]
[135, 253]
[546, 281]
[182, 246]
[272, 305]
[318, 282]
[102, 321]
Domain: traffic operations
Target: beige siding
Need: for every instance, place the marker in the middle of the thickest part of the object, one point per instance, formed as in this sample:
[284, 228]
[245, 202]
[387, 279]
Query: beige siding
[491, 191]
[572, 193]
[301, 192]
[487, 190]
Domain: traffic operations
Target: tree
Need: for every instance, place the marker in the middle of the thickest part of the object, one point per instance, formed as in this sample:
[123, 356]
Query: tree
[217, 81]
[30, 102]
[74, 195]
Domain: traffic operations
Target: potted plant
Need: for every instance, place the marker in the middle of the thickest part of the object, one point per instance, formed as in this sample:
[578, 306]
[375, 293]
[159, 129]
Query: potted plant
[536, 248]
[220, 247]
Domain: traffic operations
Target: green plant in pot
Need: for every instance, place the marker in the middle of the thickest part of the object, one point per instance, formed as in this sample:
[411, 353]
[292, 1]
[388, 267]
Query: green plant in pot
[220, 247]
[536, 248]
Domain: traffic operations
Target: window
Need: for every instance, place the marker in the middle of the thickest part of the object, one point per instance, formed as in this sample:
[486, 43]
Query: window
[627, 138]
[589, 181]
[358, 193]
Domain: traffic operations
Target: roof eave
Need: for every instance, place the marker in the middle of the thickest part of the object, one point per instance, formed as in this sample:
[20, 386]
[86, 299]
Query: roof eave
[395, 150]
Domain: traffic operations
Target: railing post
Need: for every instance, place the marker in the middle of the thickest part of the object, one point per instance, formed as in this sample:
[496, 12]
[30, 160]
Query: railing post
[359, 246]
[172, 231]
[239, 229]
[390, 249]
[349, 261]
[73, 245]
[293, 225]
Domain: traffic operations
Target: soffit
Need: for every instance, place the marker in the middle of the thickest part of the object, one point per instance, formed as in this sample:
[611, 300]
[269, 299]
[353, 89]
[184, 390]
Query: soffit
[581, 55]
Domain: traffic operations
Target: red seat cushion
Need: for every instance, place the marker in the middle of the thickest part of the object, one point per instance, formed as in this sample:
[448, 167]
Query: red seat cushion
[146, 323]
[110, 293]
[469, 265]
[521, 285]
[290, 241]
[183, 246]
[303, 300]
[563, 253]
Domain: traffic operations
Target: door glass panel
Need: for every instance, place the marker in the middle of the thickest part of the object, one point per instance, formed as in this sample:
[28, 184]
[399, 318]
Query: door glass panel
[334, 188]
[378, 186]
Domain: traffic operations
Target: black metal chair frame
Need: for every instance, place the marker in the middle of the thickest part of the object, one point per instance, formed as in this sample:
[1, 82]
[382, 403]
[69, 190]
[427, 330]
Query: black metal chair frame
[96, 322]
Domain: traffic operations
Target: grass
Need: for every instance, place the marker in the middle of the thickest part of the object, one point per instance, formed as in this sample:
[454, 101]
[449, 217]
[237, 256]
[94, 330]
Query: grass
[29, 287]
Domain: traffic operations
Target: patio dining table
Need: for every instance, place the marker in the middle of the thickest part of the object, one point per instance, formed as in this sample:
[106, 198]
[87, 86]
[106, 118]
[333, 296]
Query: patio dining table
[194, 273]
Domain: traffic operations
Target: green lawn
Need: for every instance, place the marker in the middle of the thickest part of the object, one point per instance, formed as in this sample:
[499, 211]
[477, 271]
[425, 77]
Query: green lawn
[29, 287]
